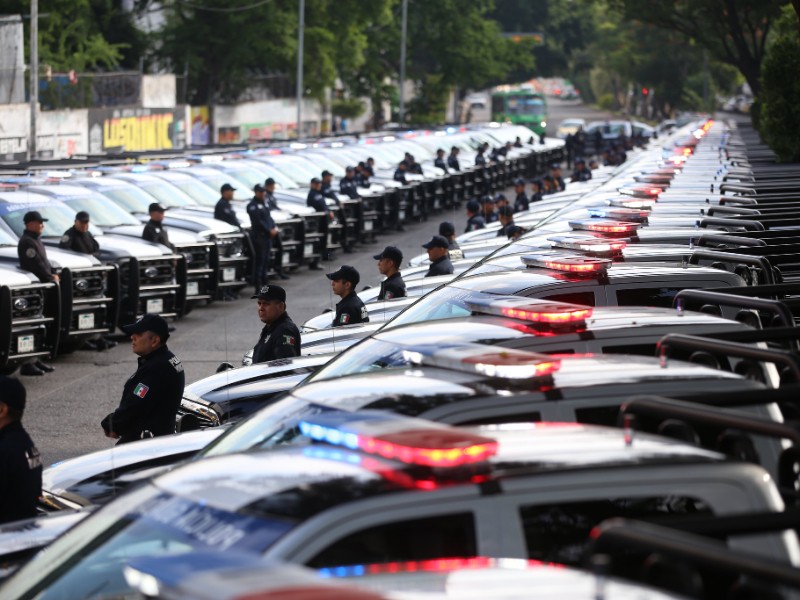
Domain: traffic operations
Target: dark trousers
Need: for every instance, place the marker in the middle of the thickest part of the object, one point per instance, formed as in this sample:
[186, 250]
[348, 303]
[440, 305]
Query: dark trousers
[262, 245]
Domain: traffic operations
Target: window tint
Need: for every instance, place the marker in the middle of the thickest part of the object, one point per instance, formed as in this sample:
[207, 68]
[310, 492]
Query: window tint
[657, 296]
[417, 539]
[560, 532]
[528, 417]
[598, 415]
[584, 298]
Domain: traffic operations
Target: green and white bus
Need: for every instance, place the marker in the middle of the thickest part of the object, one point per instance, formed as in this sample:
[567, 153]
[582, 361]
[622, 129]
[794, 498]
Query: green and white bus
[521, 107]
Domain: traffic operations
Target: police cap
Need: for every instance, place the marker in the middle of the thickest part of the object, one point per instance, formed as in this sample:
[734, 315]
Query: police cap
[82, 216]
[34, 215]
[437, 241]
[346, 273]
[12, 393]
[148, 322]
[392, 253]
[270, 292]
[446, 228]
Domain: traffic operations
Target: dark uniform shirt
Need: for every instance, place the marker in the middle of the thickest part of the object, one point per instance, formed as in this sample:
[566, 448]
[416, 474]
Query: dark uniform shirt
[452, 162]
[20, 474]
[400, 175]
[474, 223]
[150, 398]
[443, 266]
[349, 310]
[347, 186]
[316, 200]
[489, 217]
[270, 201]
[392, 287]
[362, 180]
[521, 202]
[224, 212]
[327, 191]
[581, 175]
[558, 184]
[261, 220]
[33, 256]
[439, 162]
[505, 230]
[79, 241]
[281, 339]
[155, 232]
[480, 160]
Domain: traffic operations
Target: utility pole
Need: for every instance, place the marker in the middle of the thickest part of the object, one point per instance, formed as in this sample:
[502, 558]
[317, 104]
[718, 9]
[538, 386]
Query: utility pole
[34, 77]
[300, 27]
[403, 62]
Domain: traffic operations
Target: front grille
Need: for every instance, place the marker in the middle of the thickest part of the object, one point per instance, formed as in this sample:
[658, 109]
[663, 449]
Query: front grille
[20, 340]
[367, 204]
[27, 303]
[350, 210]
[196, 257]
[313, 224]
[156, 272]
[88, 284]
[231, 246]
[288, 232]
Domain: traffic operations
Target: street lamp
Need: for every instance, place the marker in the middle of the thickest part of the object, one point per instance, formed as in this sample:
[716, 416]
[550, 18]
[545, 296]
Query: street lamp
[34, 77]
[403, 61]
[300, 27]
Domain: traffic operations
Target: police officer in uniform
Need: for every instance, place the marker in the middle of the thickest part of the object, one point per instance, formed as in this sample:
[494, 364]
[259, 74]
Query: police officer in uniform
[370, 166]
[154, 230]
[223, 210]
[20, 462]
[78, 238]
[439, 160]
[280, 337]
[362, 175]
[400, 173]
[439, 256]
[33, 258]
[327, 186]
[506, 217]
[152, 395]
[448, 231]
[277, 242]
[316, 200]
[474, 218]
[581, 173]
[488, 212]
[556, 178]
[452, 160]
[350, 308]
[347, 185]
[521, 201]
[389, 262]
[262, 231]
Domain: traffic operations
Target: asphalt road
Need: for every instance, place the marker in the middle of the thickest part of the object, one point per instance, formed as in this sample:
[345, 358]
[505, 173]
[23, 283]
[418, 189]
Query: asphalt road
[65, 407]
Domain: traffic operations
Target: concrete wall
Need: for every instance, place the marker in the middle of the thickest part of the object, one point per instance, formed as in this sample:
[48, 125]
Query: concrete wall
[14, 126]
[267, 119]
[158, 91]
[62, 133]
[12, 57]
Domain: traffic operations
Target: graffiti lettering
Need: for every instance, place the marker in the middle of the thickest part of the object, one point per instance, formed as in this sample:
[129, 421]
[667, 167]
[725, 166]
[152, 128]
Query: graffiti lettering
[151, 132]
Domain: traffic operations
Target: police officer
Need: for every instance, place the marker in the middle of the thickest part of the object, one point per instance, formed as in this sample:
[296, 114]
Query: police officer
[152, 395]
[452, 160]
[370, 166]
[556, 178]
[474, 219]
[389, 262]
[506, 217]
[362, 175]
[480, 159]
[521, 201]
[439, 256]
[316, 200]
[412, 164]
[487, 211]
[280, 337]
[20, 462]
[448, 231]
[262, 231]
[581, 173]
[537, 188]
[350, 309]
[154, 230]
[347, 185]
[223, 210]
[33, 258]
[78, 238]
[439, 160]
[327, 186]
[400, 173]
[277, 242]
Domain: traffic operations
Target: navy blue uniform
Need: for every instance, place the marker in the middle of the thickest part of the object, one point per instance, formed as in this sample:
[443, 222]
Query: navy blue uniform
[505, 231]
[581, 175]
[349, 310]
[480, 160]
[362, 180]
[521, 202]
[79, 241]
[347, 186]
[443, 266]
[316, 200]
[452, 162]
[261, 225]
[392, 287]
[281, 339]
[489, 217]
[154, 232]
[474, 223]
[20, 474]
[439, 162]
[33, 256]
[150, 398]
[224, 212]
[327, 192]
[400, 175]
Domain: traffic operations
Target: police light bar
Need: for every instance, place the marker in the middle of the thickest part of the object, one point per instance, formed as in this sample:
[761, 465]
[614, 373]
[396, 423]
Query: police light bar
[605, 226]
[567, 263]
[405, 439]
[621, 213]
[422, 566]
[9, 186]
[589, 245]
[485, 360]
[635, 203]
[640, 190]
[532, 310]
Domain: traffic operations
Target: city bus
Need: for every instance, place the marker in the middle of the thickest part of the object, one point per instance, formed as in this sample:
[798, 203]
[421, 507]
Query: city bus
[521, 107]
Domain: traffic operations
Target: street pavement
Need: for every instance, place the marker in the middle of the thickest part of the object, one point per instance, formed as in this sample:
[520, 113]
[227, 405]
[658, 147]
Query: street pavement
[65, 407]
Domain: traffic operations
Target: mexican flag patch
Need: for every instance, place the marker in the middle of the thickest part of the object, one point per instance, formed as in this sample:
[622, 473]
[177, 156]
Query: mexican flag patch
[140, 390]
[288, 340]
[345, 318]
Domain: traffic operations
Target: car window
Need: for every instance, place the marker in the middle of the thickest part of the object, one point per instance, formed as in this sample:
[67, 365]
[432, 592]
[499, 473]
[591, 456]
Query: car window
[646, 296]
[410, 540]
[583, 298]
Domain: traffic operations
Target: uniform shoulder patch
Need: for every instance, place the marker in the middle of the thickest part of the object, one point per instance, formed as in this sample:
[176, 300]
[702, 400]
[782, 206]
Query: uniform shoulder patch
[140, 390]
[65, 238]
[345, 318]
[288, 340]
[389, 296]
[176, 364]
[30, 252]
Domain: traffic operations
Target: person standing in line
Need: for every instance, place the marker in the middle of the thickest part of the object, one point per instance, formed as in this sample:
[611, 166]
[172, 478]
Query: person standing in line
[350, 309]
[78, 238]
[521, 202]
[506, 217]
[262, 230]
[154, 230]
[488, 213]
[389, 263]
[439, 161]
[474, 218]
[277, 242]
[448, 231]
[439, 256]
[280, 337]
[316, 200]
[152, 395]
[347, 185]
[327, 186]
[452, 160]
[20, 461]
[223, 210]
[362, 175]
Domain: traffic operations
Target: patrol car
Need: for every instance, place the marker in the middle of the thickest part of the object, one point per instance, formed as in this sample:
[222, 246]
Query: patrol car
[378, 489]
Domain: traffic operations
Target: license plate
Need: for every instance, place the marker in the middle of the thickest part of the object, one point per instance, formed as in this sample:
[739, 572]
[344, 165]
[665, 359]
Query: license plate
[155, 306]
[401, 215]
[24, 344]
[192, 288]
[308, 250]
[86, 321]
[285, 259]
[228, 274]
[368, 225]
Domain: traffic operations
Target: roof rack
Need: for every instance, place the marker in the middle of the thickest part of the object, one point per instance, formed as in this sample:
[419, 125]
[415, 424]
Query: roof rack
[759, 262]
[777, 307]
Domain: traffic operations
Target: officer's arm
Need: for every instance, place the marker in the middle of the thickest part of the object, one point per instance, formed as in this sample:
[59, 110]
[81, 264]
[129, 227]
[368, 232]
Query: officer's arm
[139, 402]
[38, 265]
[95, 245]
[148, 234]
[287, 344]
[65, 243]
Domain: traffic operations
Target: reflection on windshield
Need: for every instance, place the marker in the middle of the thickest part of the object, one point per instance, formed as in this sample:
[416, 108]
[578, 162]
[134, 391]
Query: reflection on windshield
[165, 195]
[60, 218]
[103, 212]
[197, 191]
[369, 355]
[443, 303]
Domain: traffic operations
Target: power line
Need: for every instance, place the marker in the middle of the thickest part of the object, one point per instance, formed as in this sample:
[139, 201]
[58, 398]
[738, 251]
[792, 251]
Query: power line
[223, 10]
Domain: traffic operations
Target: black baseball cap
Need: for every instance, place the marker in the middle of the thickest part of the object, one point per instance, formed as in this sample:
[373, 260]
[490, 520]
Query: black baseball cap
[487, 200]
[446, 228]
[82, 216]
[347, 273]
[148, 322]
[555, 165]
[156, 207]
[515, 230]
[392, 253]
[327, 173]
[519, 181]
[473, 206]
[269, 181]
[498, 197]
[34, 215]
[440, 151]
[437, 241]
[270, 292]
[12, 392]
[315, 180]
[227, 187]
[349, 168]
[259, 188]
[505, 211]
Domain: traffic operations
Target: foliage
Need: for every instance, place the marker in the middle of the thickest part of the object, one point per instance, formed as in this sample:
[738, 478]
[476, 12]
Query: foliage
[347, 108]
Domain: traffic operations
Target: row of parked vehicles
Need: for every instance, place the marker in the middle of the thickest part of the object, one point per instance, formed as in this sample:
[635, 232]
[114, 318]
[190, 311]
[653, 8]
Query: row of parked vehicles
[604, 408]
[130, 276]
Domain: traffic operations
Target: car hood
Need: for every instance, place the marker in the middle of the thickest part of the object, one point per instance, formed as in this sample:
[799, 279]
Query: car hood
[176, 236]
[58, 258]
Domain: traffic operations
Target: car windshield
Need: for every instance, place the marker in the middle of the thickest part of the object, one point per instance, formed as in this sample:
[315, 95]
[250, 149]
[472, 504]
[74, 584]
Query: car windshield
[294, 171]
[198, 191]
[131, 198]
[88, 561]
[59, 218]
[281, 180]
[369, 355]
[446, 302]
[326, 163]
[165, 194]
[247, 175]
[103, 213]
[215, 179]
[6, 239]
